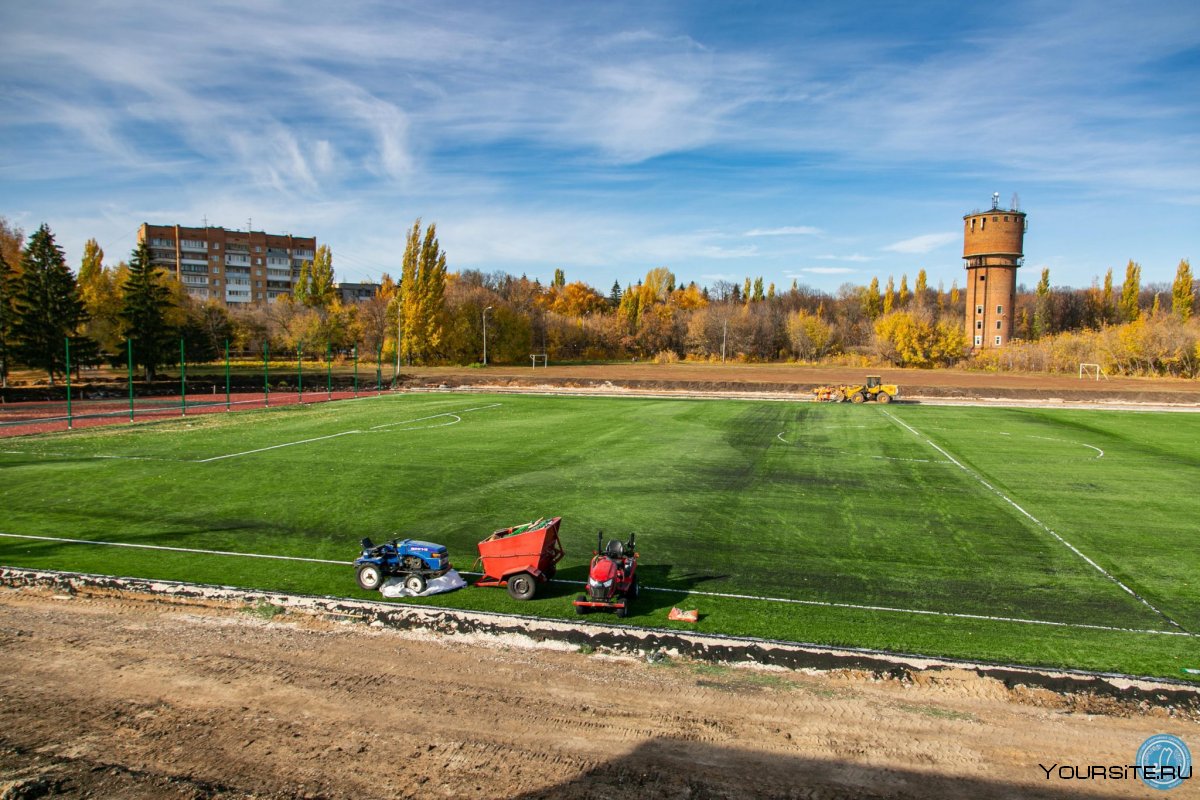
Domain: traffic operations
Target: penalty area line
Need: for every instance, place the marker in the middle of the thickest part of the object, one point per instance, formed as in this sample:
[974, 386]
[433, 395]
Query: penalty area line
[1043, 526]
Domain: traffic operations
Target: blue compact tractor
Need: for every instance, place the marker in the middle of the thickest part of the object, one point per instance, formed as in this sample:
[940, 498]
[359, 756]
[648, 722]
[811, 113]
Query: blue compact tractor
[414, 561]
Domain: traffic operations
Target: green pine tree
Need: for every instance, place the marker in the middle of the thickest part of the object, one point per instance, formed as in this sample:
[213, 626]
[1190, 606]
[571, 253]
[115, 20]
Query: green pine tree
[560, 279]
[47, 307]
[614, 297]
[7, 315]
[145, 301]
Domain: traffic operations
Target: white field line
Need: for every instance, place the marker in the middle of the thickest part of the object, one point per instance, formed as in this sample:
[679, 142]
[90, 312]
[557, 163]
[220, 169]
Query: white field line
[172, 549]
[1034, 520]
[779, 436]
[433, 416]
[273, 447]
[44, 454]
[689, 593]
[1068, 441]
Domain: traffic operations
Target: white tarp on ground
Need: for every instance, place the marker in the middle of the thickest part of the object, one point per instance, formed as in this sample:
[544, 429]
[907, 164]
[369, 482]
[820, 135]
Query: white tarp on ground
[394, 587]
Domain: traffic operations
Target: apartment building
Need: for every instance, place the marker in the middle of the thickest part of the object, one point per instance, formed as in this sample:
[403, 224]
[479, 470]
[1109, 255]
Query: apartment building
[234, 267]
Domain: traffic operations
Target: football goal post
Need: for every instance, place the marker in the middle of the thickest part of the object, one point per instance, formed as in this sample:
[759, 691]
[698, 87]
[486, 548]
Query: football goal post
[1091, 371]
[537, 358]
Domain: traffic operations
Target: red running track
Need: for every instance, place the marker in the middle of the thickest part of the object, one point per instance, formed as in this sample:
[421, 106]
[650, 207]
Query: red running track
[23, 419]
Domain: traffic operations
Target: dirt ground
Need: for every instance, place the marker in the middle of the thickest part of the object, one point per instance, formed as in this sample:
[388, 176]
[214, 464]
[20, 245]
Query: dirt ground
[120, 697]
[793, 378]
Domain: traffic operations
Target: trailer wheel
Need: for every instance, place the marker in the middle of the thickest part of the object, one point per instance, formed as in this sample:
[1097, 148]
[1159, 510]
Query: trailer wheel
[581, 610]
[522, 586]
[883, 397]
[415, 583]
[370, 577]
[857, 397]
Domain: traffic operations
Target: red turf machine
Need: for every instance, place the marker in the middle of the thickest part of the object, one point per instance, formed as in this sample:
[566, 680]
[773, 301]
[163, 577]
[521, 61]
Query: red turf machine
[612, 578]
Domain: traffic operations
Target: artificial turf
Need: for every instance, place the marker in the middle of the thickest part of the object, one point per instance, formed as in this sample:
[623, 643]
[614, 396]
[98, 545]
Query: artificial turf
[949, 510]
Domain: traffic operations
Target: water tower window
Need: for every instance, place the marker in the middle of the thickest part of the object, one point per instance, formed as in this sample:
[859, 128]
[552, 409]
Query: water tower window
[998, 341]
[978, 324]
[978, 341]
[979, 310]
[999, 309]
[1006, 218]
[982, 223]
[983, 277]
[999, 325]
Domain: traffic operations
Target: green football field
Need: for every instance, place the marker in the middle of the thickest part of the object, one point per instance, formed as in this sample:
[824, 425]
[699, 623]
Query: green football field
[1049, 537]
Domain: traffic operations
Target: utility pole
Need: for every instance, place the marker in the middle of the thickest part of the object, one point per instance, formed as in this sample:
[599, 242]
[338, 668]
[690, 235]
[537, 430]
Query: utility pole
[489, 308]
[724, 332]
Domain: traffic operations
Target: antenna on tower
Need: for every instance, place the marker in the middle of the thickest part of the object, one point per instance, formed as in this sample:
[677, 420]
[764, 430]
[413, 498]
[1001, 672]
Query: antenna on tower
[1016, 202]
[995, 200]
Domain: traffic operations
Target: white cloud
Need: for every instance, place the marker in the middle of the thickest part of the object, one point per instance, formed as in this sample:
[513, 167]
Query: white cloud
[922, 244]
[790, 230]
[822, 271]
[855, 257]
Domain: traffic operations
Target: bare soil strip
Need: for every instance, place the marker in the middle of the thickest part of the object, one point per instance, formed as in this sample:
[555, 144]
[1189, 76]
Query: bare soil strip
[121, 697]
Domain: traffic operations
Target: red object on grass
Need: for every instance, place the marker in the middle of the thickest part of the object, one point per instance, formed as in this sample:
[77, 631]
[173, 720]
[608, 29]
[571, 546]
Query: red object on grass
[679, 615]
[521, 554]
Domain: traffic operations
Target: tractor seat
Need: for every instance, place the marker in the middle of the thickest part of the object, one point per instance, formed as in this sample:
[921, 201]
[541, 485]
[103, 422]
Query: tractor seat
[614, 549]
[367, 544]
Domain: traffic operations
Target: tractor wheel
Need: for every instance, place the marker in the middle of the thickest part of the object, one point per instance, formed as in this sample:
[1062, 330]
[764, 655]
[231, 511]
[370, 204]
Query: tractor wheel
[883, 397]
[633, 589]
[415, 583]
[581, 610]
[857, 397]
[370, 577]
[621, 611]
[522, 586]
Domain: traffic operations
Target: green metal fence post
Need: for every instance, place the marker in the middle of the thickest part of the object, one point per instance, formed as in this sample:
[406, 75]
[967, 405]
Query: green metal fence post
[129, 365]
[356, 370]
[182, 381]
[266, 375]
[67, 350]
[329, 369]
[379, 369]
[226, 374]
[300, 370]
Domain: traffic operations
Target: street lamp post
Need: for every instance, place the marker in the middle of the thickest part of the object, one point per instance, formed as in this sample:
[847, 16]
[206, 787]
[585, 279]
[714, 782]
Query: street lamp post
[489, 308]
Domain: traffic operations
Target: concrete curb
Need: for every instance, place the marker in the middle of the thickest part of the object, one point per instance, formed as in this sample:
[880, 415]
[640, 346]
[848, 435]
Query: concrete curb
[620, 638]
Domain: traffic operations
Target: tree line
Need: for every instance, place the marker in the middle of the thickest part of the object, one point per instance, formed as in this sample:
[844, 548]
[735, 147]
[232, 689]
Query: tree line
[434, 316]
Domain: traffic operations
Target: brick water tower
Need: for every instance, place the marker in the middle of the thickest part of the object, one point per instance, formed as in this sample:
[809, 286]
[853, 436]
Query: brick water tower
[993, 248]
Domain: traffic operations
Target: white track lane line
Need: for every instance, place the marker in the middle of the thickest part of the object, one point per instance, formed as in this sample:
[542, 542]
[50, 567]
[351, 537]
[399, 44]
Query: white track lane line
[1033, 519]
[689, 593]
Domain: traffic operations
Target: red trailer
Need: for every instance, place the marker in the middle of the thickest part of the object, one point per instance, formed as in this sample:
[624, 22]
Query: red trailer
[521, 557]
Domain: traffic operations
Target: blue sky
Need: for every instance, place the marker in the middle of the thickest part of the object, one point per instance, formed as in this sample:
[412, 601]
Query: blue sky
[821, 142]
